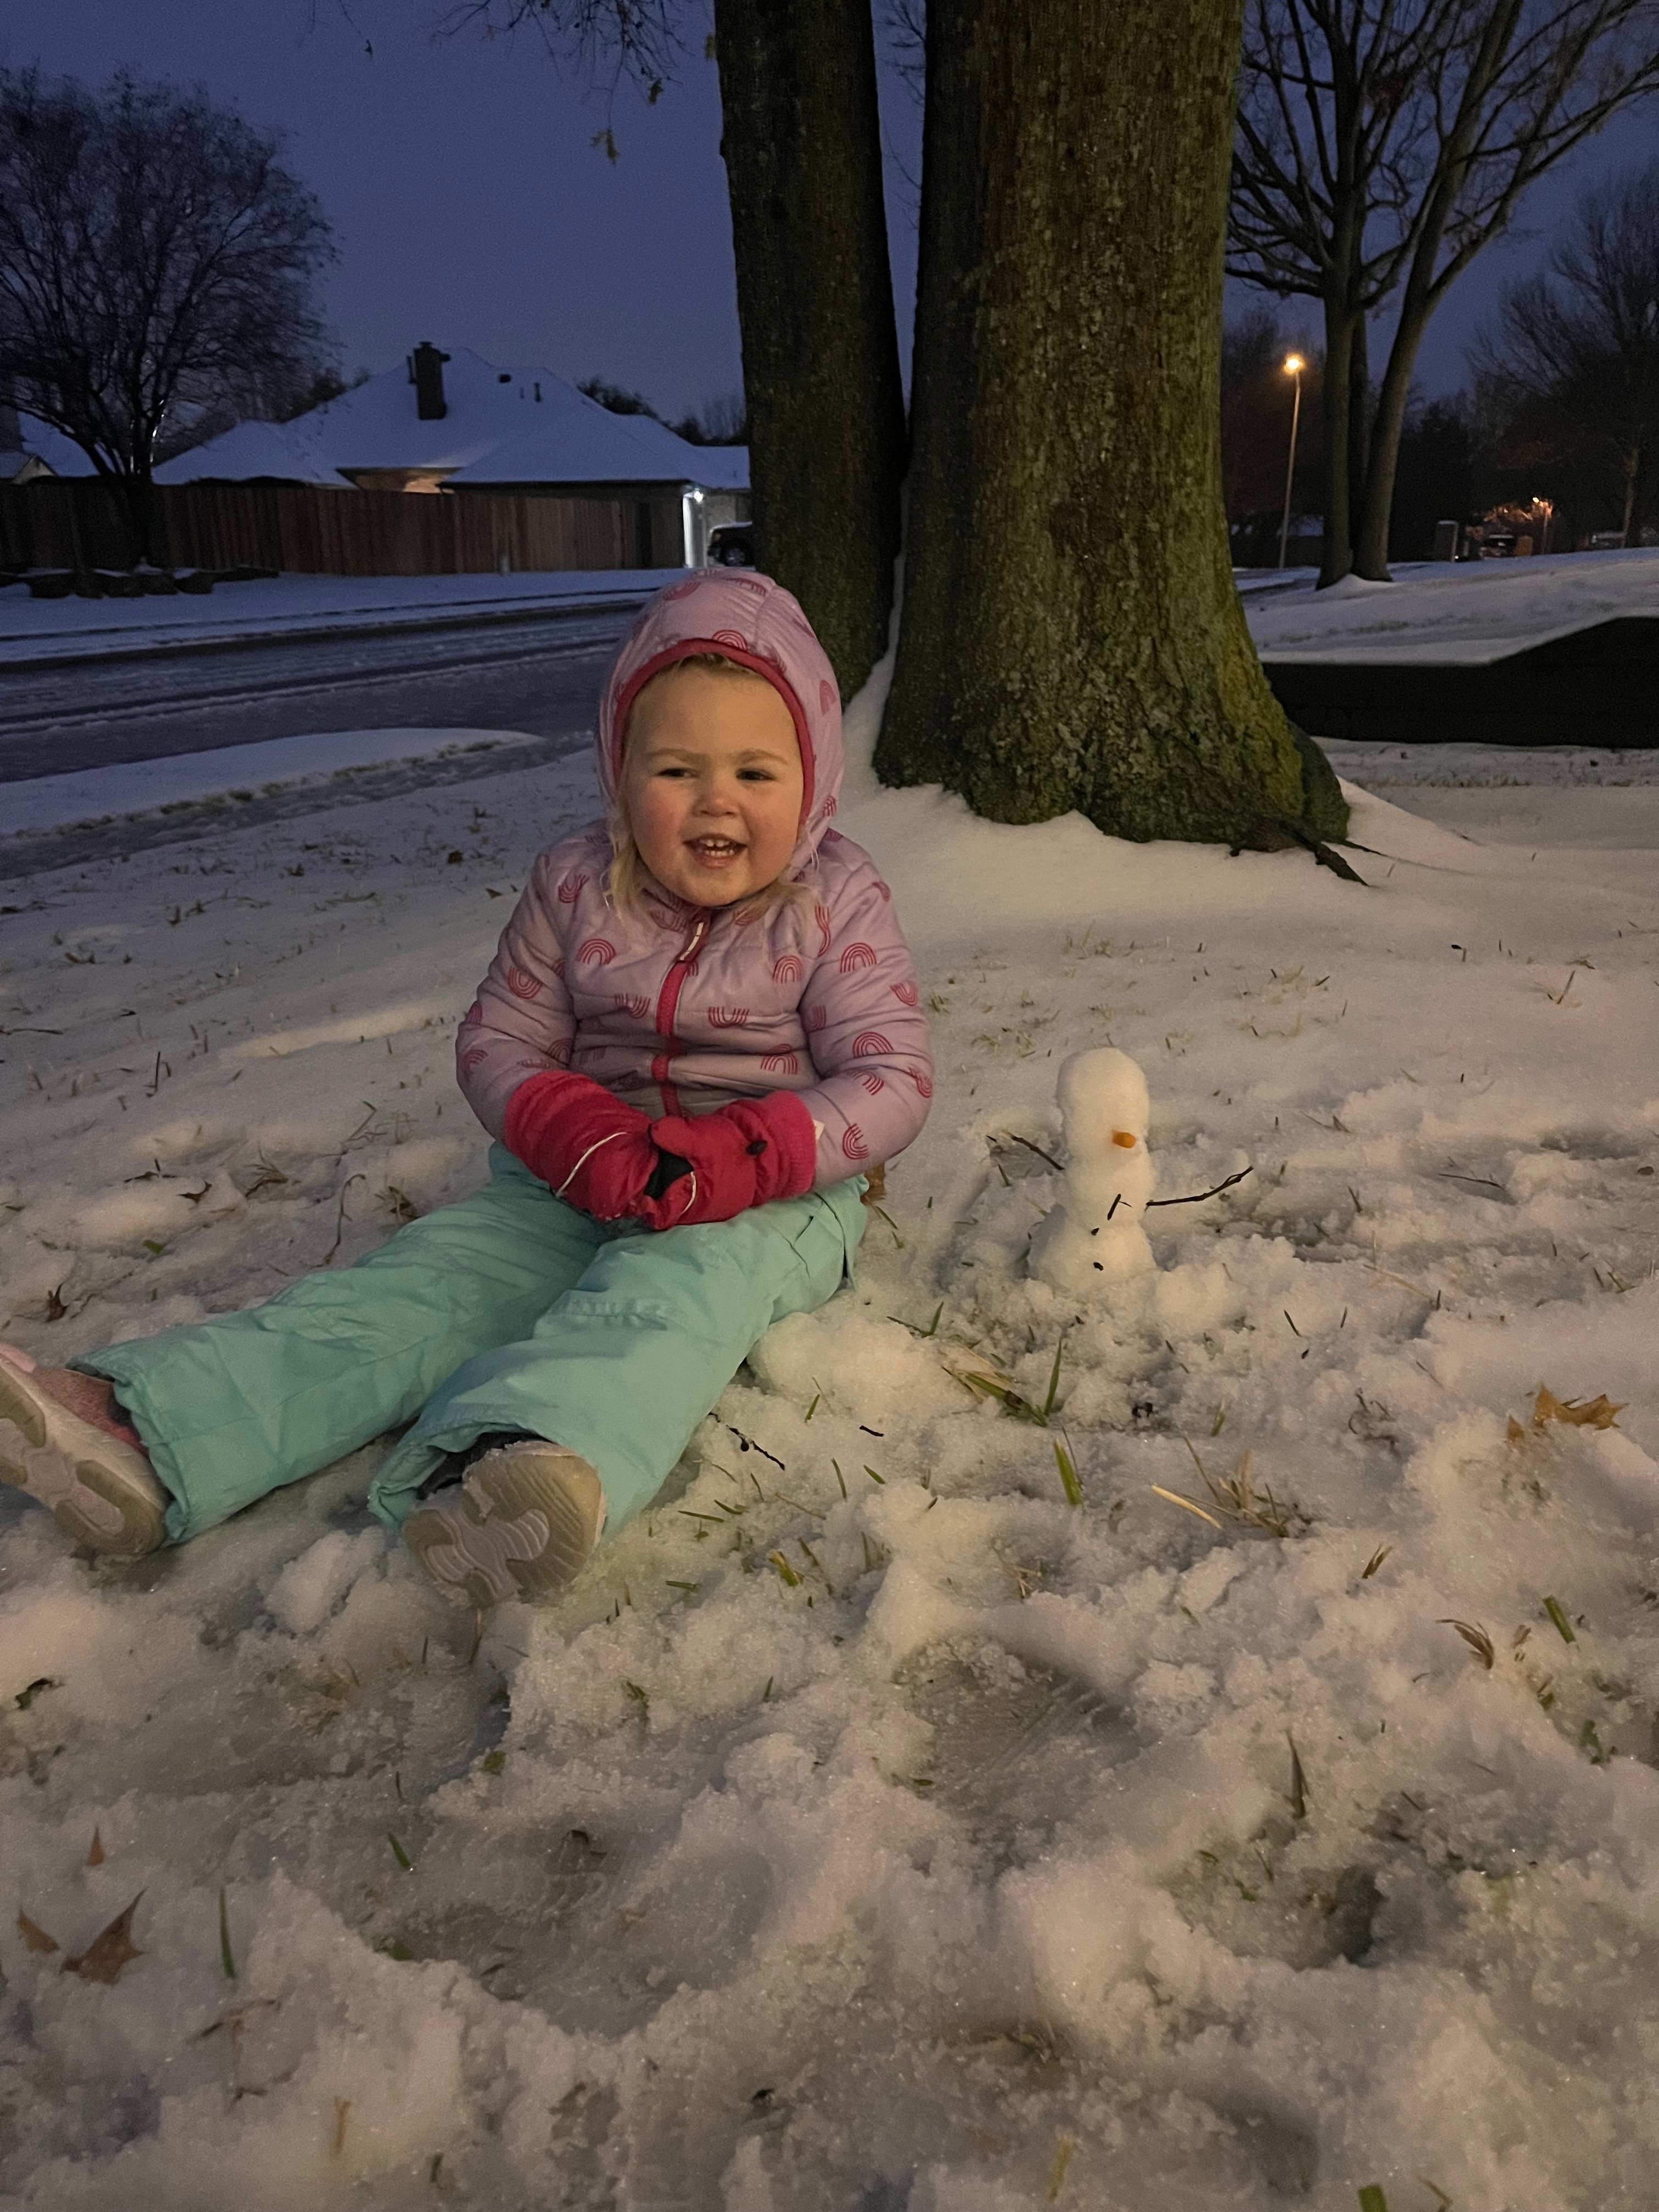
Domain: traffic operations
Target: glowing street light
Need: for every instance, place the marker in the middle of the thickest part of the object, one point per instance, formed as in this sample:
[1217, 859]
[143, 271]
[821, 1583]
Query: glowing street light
[1293, 366]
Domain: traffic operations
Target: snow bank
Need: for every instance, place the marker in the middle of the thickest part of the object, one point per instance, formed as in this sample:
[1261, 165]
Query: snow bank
[1465, 612]
[32, 630]
[871, 1826]
[98, 794]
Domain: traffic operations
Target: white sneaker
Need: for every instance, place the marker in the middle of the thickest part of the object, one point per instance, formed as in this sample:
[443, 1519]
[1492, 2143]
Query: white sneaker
[101, 1491]
[523, 1523]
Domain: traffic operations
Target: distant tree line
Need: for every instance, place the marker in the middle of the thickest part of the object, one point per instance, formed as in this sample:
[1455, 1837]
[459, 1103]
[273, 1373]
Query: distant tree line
[1561, 404]
[722, 421]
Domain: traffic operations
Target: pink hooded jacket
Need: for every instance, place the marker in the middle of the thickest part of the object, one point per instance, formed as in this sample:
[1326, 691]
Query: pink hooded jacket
[679, 1009]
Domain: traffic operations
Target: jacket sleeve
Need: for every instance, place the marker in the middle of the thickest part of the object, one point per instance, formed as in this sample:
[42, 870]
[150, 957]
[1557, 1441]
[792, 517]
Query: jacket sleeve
[866, 1033]
[522, 1022]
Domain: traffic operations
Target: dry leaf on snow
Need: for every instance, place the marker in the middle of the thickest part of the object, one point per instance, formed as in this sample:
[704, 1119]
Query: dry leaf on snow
[35, 1937]
[1598, 1413]
[104, 1956]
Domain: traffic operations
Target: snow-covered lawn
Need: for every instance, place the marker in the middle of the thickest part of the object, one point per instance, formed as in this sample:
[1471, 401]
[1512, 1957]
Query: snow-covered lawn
[1464, 611]
[871, 1827]
[35, 629]
[240, 772]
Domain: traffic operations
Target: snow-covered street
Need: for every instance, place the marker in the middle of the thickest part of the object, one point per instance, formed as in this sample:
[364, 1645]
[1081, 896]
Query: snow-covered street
[1193, 1748]
[148, 699]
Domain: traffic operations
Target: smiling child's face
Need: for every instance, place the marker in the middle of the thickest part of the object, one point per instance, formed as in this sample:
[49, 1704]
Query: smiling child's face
[712, 784]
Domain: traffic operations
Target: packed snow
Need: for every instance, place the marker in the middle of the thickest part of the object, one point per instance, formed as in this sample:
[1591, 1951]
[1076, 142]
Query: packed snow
[37, 631]
[1466, 612]
[872, 1825]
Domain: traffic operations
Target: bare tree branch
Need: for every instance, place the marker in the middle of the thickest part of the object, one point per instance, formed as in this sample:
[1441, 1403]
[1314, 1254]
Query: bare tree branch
[603, 43]
[156, 259]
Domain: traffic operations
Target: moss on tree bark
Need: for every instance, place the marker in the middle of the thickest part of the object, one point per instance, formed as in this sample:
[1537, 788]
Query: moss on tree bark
[802, 145]
[1071, 635]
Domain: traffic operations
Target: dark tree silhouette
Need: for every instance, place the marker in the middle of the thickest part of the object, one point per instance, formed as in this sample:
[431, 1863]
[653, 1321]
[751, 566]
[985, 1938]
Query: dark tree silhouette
[1572, 354]
[1380, 145]
[156, 259]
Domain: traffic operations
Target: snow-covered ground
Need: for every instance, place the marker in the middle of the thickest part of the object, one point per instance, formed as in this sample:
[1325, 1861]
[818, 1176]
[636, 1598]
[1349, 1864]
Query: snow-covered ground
[1465, 611]
[33, 630]
[243, 772]
[872, 1826]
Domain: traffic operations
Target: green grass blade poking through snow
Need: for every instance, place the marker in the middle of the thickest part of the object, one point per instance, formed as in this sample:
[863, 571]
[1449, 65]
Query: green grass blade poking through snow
[1068, 1481]
[1054, 1379]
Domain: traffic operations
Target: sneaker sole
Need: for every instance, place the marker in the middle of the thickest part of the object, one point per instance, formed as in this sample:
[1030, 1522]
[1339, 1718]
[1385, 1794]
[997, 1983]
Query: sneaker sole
[100, 1491]
[524, 1526]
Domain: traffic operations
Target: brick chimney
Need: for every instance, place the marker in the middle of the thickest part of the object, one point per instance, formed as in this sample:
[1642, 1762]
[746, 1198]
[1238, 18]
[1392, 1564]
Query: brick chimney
[426, 373]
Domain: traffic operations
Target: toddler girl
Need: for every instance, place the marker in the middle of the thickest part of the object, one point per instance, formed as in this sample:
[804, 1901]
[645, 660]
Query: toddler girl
[700, 1026]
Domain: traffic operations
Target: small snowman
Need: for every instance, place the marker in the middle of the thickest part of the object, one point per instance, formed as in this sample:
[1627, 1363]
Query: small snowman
[1094, 1237]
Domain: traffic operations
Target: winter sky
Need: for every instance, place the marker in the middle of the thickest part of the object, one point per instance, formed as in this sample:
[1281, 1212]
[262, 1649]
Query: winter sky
[471, 208]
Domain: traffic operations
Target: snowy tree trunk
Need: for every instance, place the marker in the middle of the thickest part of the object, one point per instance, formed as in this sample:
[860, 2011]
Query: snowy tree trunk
[802, 147]
[1070, 636]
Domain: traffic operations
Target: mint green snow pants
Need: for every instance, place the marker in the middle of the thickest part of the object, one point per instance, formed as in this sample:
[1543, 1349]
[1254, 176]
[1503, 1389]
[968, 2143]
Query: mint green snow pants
[510, 1311]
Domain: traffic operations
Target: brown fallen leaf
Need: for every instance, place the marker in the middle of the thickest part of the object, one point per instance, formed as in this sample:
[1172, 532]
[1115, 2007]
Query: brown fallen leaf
[1517, 1435]
[95, 1856]
[1578, 1413]
[108, 1952]
[35, 1937]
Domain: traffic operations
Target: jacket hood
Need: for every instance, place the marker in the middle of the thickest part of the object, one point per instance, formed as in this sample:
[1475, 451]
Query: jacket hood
[749, 619]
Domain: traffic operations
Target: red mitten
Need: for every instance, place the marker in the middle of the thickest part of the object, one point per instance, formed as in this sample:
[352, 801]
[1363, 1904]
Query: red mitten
[752, 1151]
[585, 1144]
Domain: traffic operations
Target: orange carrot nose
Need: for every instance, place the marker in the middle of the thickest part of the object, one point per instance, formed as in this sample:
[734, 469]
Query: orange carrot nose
[1124, 1137]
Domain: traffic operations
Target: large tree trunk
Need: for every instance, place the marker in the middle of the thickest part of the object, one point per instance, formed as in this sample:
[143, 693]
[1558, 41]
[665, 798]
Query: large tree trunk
[1371, 550]
[1360, 418]
[802, 146]
[1634, 472]
[1071, 635]
[1336, 471]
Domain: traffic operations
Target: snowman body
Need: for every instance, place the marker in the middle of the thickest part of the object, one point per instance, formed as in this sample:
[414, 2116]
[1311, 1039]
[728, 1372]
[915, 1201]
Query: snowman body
[1094, 1237]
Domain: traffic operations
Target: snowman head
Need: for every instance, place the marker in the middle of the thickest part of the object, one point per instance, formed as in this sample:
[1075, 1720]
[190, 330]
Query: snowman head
[1103, 1104]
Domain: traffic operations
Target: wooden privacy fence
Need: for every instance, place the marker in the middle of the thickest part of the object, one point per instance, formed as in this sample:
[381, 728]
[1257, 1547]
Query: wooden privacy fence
[311, 530]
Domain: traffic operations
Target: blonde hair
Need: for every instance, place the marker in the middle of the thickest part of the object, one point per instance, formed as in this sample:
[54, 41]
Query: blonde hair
[625, 879]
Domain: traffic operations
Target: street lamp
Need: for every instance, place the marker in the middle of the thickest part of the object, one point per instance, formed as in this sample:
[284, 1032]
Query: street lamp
[1293, 367]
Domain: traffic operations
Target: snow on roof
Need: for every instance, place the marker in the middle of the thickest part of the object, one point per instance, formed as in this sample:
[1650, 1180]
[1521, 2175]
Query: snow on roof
[61, 454]
[253, 449]
[502, 427]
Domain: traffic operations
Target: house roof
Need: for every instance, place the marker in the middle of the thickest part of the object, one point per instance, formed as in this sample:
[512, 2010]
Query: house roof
[61, 454]
[502, 427]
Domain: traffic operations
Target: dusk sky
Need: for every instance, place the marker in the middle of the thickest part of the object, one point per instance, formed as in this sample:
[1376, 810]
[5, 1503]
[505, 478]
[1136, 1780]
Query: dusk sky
[471, 207]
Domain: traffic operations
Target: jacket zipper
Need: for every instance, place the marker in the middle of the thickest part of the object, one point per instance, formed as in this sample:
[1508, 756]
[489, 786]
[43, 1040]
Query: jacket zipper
[668, 1001]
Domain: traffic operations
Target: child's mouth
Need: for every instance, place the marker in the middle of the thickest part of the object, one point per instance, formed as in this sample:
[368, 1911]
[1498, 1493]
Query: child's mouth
[715, 852]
